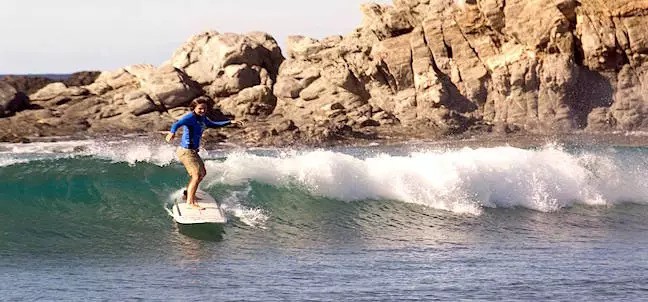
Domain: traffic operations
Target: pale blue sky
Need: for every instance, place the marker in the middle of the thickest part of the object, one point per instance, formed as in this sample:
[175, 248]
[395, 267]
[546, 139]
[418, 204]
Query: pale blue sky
[44, 36]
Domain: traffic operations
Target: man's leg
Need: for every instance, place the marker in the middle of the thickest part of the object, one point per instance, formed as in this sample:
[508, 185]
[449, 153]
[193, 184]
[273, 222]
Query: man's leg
[192, 187]
[195, 167]
[194, 183]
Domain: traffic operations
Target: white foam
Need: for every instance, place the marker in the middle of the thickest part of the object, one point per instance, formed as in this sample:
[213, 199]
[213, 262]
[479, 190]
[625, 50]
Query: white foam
[462, 181]
[46, 147]
[253, 217]
[5, 162]
[131, 150]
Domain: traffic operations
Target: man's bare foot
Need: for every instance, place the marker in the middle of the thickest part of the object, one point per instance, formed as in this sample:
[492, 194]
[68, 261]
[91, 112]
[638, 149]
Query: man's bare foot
[195, 205]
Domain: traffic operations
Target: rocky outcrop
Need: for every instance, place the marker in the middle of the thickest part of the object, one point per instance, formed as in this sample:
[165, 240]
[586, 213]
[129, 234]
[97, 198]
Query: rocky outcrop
[237, 71]
[26, 84]
[31, 84]
[11, 100]
[542, 66]
[224, 64]
[417, 68]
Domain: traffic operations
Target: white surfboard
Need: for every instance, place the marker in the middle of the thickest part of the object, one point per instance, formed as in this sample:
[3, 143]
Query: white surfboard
[209, 211]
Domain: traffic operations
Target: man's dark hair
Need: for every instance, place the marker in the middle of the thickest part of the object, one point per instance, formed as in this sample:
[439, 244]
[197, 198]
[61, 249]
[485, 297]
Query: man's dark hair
[200, 100]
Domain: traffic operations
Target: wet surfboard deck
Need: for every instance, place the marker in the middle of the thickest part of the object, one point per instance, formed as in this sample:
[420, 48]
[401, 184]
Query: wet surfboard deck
[208, 213]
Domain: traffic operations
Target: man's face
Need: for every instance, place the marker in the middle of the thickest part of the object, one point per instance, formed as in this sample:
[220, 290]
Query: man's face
[200, 109]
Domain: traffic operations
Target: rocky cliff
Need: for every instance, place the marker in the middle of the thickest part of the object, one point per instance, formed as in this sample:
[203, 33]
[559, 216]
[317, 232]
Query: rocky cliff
[417, 68]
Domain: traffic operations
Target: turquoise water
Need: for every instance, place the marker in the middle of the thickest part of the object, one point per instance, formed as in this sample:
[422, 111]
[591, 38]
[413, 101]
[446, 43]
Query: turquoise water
[86, 220]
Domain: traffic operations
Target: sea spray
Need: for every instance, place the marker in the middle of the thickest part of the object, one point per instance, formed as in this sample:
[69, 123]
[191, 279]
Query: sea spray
[462, 181]
[130, 151]
[231, 203]
[133, 152]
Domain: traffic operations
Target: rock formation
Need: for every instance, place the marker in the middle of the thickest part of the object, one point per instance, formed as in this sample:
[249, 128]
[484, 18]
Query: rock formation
[11, 100]
[415, 68]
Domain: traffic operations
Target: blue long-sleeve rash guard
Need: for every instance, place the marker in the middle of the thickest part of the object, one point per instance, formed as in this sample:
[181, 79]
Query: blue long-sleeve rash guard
[194, 127]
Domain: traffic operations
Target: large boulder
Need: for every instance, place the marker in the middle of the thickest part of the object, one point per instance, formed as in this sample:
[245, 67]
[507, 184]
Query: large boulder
[143, 88]
[81, 78]
[233, 79]
[167, 86]
[226, 63]
[11, 100]
[112, 80]
[57, 89]
[386, 21]
[301, 48]
[250, 104]
[26, 84]
[316, 84]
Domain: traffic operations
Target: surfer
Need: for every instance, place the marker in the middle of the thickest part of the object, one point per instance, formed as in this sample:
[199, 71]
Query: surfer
[194, 123]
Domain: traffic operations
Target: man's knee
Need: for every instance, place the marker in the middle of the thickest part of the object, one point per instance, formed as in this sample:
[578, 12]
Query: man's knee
[195, 175]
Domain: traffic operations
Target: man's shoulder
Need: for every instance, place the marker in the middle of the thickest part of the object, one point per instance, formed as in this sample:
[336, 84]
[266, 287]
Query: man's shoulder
[187, 117]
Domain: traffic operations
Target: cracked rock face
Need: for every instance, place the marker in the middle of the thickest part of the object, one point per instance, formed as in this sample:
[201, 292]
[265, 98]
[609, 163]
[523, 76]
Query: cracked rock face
[442, 66]
[544, 66]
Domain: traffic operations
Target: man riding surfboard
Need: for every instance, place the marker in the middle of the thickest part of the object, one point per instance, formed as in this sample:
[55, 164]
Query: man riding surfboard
[194, 123]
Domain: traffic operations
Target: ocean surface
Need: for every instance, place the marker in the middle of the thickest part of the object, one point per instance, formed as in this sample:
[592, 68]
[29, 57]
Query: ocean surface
[86, 221]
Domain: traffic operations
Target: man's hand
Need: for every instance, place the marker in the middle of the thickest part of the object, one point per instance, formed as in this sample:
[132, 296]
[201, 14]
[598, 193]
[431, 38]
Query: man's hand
[170, 137]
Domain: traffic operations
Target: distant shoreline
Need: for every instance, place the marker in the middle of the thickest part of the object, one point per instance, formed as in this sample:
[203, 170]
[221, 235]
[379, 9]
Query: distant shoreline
[51, 76]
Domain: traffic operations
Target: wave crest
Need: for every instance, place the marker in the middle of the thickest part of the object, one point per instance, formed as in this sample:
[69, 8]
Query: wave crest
[461, 181]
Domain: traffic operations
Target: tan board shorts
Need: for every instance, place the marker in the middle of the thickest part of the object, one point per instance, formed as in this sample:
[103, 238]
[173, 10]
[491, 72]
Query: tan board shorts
[192, 162]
